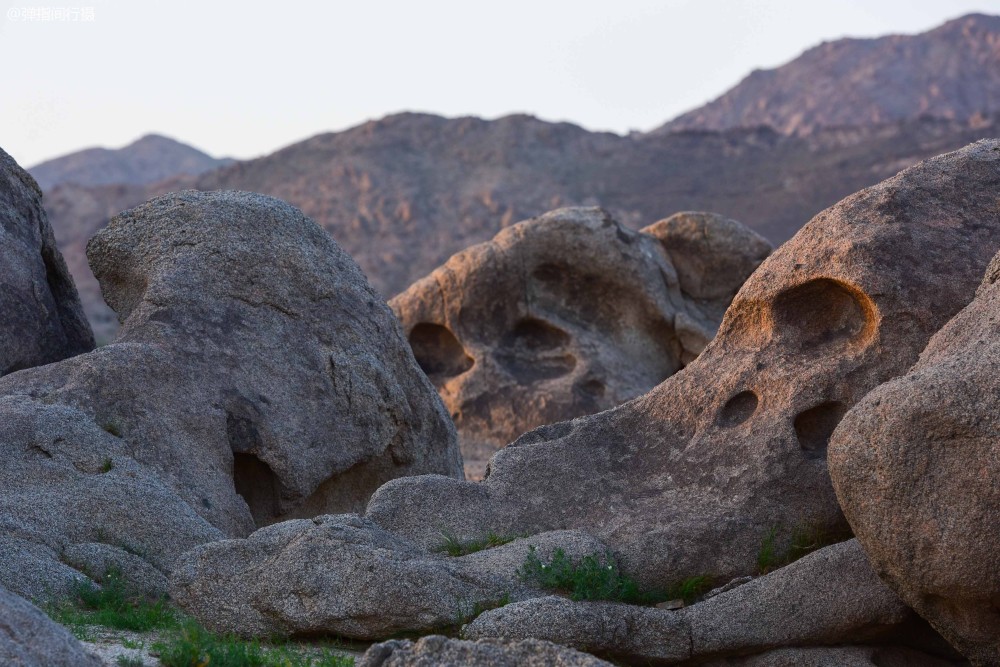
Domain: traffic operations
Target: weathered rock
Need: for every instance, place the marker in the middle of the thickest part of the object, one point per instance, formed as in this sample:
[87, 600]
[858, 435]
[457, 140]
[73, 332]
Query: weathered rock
[826, 598]
[257, 375]
[29, 638]
[839, 656]
[438, 651]
[41, 319]
[345, 576]
[568, 314]
[915, 466]
[735, 445]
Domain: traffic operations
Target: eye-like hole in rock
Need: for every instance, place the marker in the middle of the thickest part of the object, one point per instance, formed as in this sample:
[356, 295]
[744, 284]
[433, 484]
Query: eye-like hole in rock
[535, 350]
[822, 311]
[438, 352]
[259, 486]
[814, 427]
[738, 409]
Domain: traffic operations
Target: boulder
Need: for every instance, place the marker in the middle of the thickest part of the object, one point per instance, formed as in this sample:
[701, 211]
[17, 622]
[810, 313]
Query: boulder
[345, 576]
[568, 314]
[29, 638]
[915, 466]
[256, 376]
[827, 598]
[41, 319]
[438, 651]
[838, 656]
[692, 478]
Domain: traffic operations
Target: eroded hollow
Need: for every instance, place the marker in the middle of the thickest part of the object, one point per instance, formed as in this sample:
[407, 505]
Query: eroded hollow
[814, 427]
[259, 486]
[438, 352]
[535, 350]
[738, 409]
[821, 312]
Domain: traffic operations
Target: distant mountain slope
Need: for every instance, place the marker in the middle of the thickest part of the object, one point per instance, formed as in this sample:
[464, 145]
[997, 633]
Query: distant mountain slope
[147, 160]
[950, 72]
[404, 193]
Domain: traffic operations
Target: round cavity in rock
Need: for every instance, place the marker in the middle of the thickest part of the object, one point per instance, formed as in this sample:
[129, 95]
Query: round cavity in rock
[820, 312]
[738, 409]
[438, 352]
[535, 350]
[259, 486]
[814, 427]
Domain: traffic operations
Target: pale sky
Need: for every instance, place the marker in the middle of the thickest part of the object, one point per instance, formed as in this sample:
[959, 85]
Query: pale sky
[245, 78]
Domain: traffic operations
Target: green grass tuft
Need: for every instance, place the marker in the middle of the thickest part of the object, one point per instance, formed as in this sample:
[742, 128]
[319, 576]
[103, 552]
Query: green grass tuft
[803, 540]
[129, 661]
[594, 577]
[193, 646]
[690, 589]
[111, 605]
[452, 546]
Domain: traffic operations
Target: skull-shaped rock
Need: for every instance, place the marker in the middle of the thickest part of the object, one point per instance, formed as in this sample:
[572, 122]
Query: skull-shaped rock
[569, 314]
[692, 477]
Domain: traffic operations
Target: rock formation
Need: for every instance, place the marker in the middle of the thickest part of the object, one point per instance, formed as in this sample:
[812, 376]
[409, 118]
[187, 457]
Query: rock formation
[735, 444]
[42, 320]
[915, 467]
[828, 598]
[257, 376]
[438, 651]
[29, 638]
[569, 314]
[731, 451]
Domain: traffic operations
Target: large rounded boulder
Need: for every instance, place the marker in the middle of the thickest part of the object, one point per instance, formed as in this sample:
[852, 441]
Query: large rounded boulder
[41, 319]
[256, 376]
[915, 466]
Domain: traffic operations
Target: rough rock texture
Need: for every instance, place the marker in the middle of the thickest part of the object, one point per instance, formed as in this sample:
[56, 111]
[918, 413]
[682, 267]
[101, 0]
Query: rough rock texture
[952, 71]
[345, 576]
[839, 656]
[41, 319]
[29, 638]
[257, 375]
[569, 314]
[735, 444]
[915, 466]
[826, 598]
[438, 651]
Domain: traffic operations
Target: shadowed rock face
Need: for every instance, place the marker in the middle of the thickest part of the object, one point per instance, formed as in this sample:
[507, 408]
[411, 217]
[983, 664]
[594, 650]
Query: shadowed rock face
[736, 443]
[569, 314]
[257, 376]
[29, 638]
[42, 320]
[915, 467]
[444, 652]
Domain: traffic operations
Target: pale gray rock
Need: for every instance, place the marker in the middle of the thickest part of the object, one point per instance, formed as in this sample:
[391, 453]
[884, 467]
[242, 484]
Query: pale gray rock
[257, 375]
[839, 656]
[29, 638]
[735, 445]
[343, 575]
[41, 319]
[438, 651]
[568, 314]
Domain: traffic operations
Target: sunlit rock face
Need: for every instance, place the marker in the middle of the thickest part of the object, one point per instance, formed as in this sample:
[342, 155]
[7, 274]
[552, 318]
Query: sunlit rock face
[568, 314]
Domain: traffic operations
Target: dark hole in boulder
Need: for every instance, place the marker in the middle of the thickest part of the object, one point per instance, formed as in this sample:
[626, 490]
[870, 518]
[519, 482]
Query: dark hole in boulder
[820, 312]
[814, 427]
[438, 352]
[535, 350]
[738, 409]
[259, 486]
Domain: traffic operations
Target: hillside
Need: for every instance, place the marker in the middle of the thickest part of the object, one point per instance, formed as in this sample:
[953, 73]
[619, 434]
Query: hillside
[147, 160]
[404, 193]
[952, 71]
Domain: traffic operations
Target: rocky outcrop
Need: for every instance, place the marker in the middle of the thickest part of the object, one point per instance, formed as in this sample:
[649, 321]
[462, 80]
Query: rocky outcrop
[839, 656]
[569, 314]
[915, 467]
[443, 652]
[345, 576]
[736, 444]
[827, 598]
[257, 376]
[42, 320]
[29, 638]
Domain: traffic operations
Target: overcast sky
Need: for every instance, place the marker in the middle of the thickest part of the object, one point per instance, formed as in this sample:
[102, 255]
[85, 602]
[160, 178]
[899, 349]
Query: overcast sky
[245, 78]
